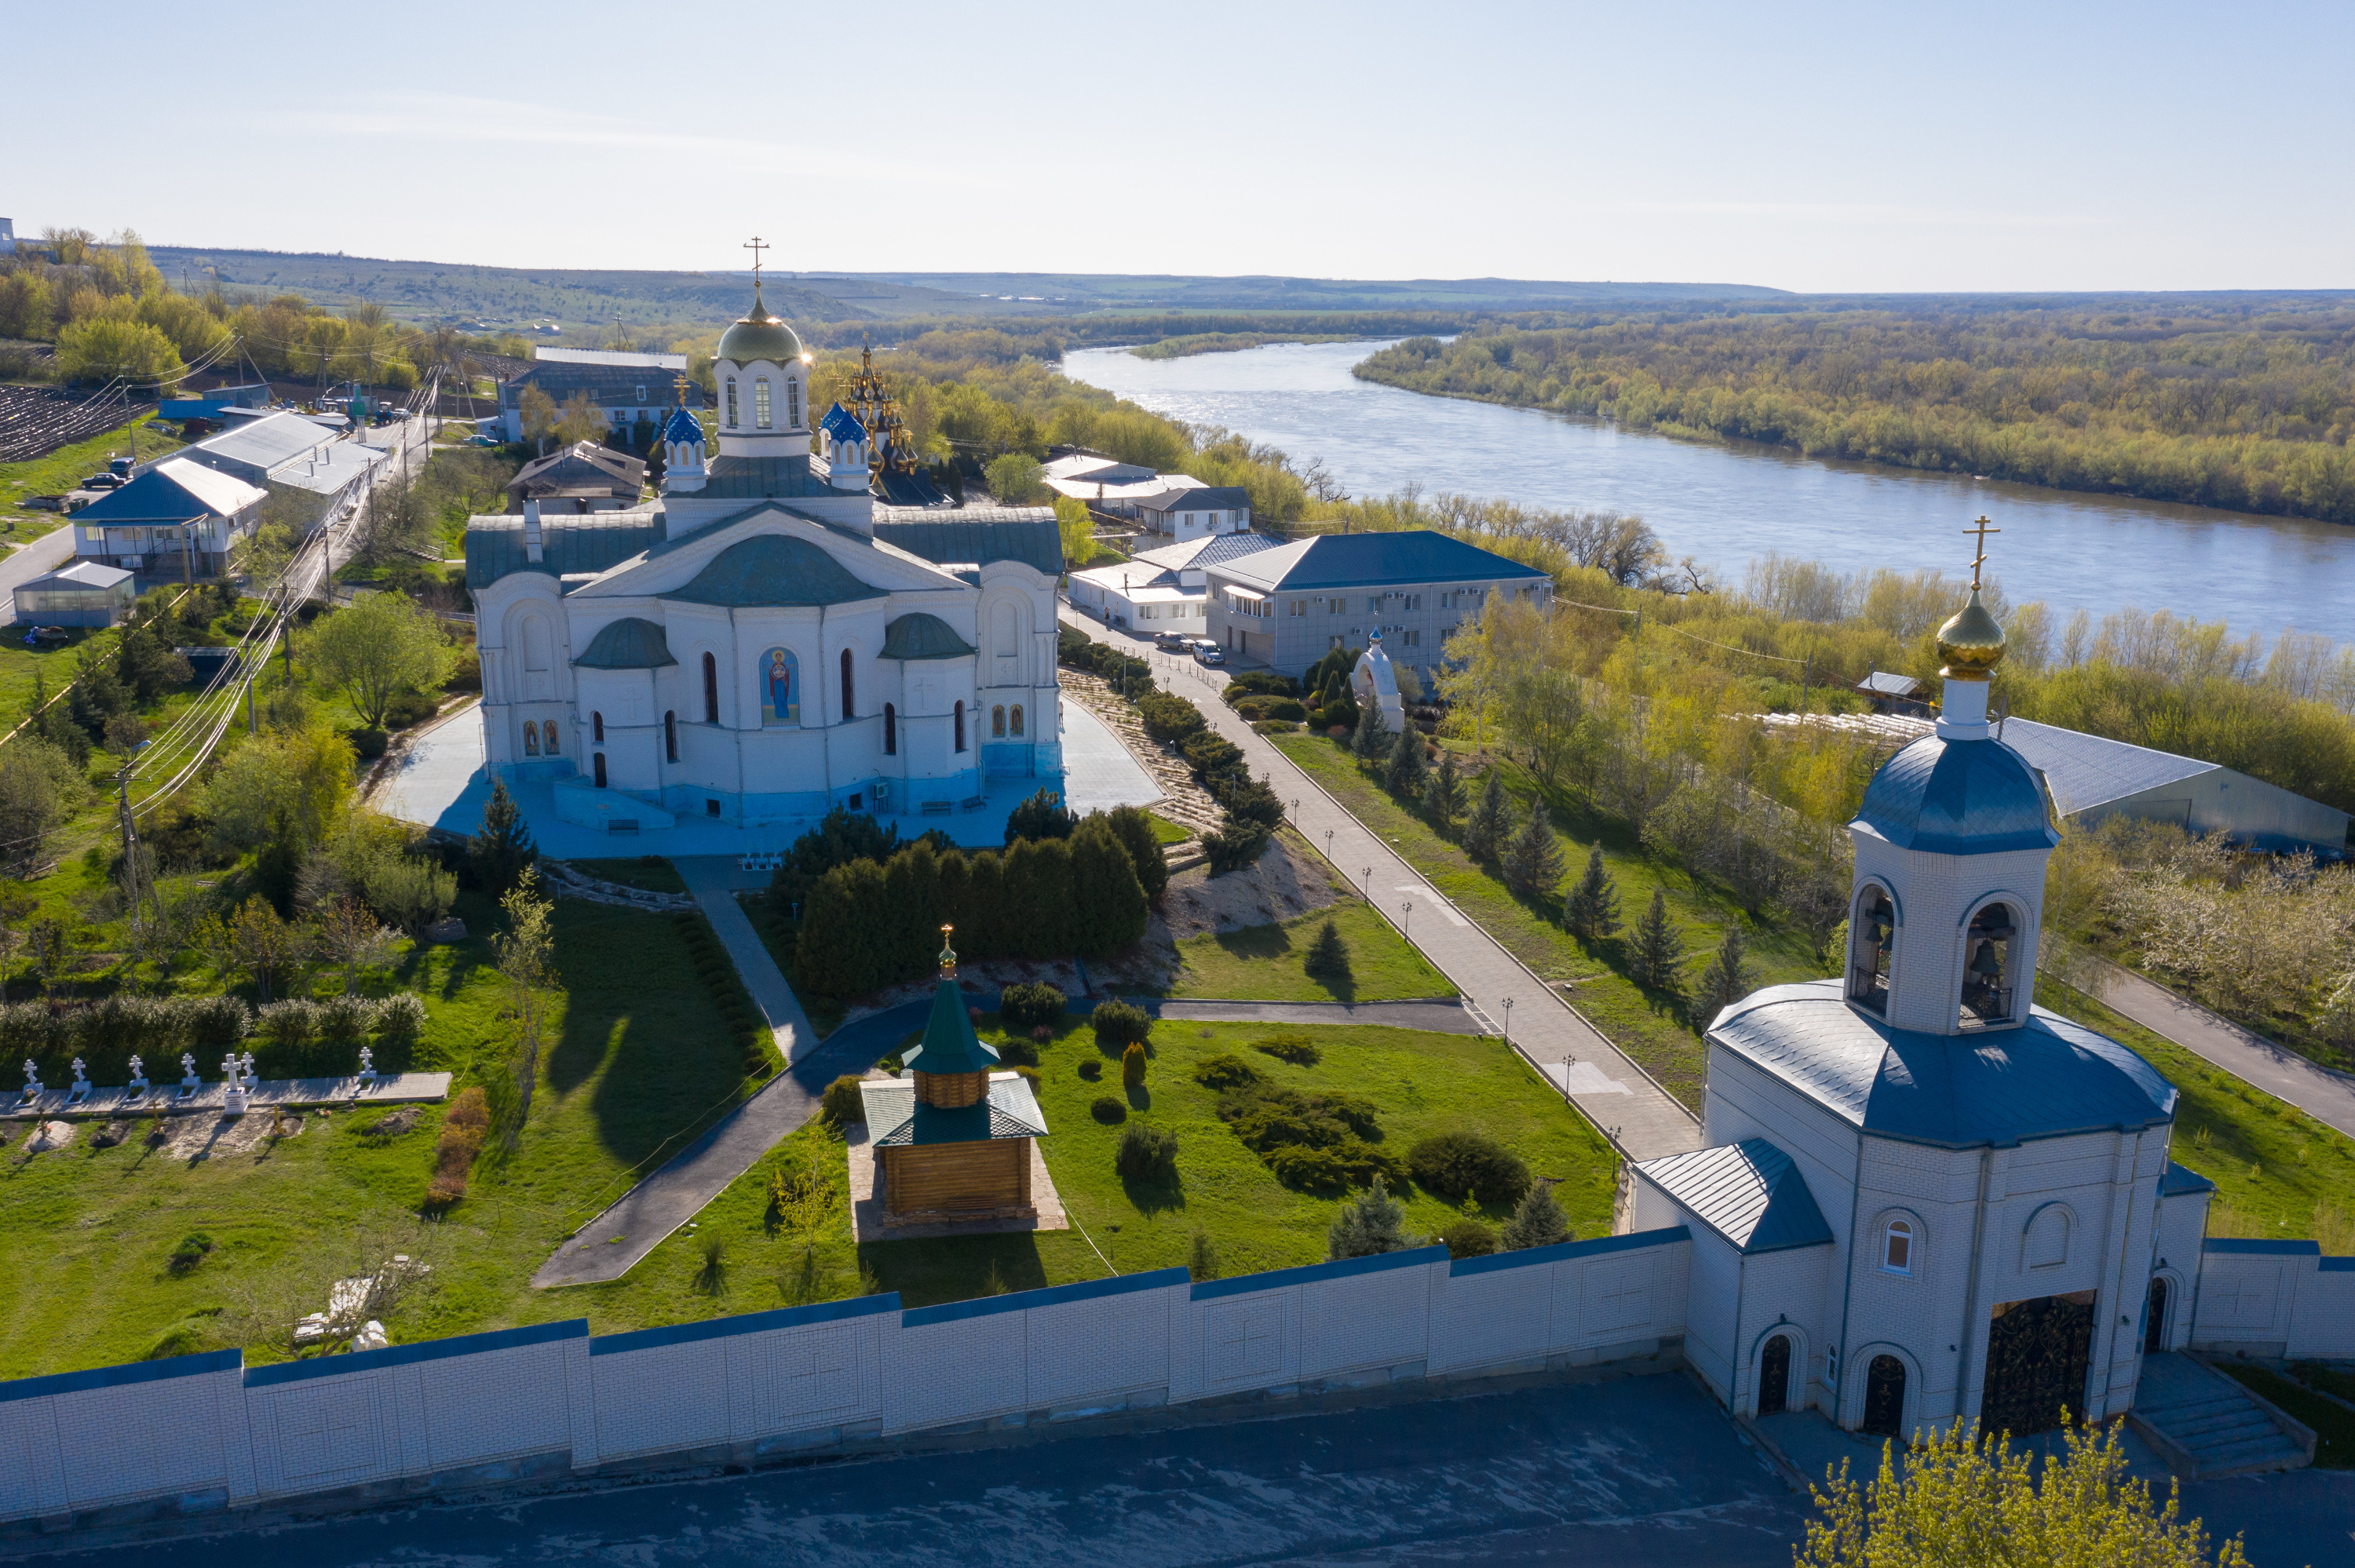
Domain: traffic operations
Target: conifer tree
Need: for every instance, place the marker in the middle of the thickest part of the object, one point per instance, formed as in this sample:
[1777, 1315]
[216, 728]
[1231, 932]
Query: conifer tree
[1483, 832]
[1725, 981]
[1405, 774]
[1658, 947]
[504, 848]
[1371, 742]
[1592, 911]
[1533, 861]
[1329, 957]
[1374, 1224]
[1537, 1222]
[1442, 794]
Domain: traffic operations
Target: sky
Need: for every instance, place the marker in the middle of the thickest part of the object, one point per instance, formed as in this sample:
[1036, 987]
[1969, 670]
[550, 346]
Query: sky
[1833, 149]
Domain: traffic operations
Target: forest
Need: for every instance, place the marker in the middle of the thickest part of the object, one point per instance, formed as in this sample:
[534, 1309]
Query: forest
[2206, 400]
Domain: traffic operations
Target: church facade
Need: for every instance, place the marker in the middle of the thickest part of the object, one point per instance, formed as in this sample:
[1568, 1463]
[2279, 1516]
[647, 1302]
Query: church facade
[767, 641]
[1921, 1198]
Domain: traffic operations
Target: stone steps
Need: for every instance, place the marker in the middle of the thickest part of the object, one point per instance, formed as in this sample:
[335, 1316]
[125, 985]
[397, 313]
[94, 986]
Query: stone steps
[2222, 1427]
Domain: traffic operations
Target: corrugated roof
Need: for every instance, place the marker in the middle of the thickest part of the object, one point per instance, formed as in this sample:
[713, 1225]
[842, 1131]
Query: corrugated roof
[2087, 770]
[979, 534]
[1749, 1192]
[1883, 683]
[1956, 796]
[175, 490]
[623, 358]
[894, 1118]
[922, 636]
[629, 643]
[265, 443]
[571, 546]
[2179, 1181]
[909, 490]
[761, 479]
[842, 425]
[949, 1044]
[327, 470]
[774, 570]
[1195, 555]
[1207, 498]
[81, 575]
[1367, 560]
[2048, 1079]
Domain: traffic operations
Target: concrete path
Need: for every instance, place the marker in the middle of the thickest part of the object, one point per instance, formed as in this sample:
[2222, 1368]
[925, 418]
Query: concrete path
[1643, 1119]
[611, 1244]
[715, 880]
[1436, 1017]
[2326, 1096]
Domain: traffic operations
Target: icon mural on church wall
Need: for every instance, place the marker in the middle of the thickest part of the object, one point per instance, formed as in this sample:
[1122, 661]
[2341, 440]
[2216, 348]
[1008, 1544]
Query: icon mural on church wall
[780, 697]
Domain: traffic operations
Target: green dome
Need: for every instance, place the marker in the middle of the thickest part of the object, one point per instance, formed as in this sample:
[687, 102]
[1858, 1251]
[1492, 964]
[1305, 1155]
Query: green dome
[759, 335]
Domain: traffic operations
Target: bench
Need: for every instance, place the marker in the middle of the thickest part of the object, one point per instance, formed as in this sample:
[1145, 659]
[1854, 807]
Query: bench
[935, 808]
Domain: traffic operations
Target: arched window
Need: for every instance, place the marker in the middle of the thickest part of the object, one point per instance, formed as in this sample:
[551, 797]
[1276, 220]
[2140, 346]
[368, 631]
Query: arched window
[1986, 966]
[849, 708]
[530, 738]
[890, 730]
[2046, 1243]
[670, 735]
[960, 727]
[731, 402]
[1897, 1247]
[760, 418]
[710, 689]
[548, 737]
[1873, 939]
[792, 404]
[998, 721]
[599, 760]
[597, 727]
[1017, 719]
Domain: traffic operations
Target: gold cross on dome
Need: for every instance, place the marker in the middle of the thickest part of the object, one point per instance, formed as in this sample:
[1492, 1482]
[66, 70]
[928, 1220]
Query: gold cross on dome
[679, 381]
[756, 245]
[1979, 559]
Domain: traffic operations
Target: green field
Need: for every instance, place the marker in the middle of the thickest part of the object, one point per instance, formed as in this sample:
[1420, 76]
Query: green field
[637, 1061]
[1166, 832]
[1265, 963]
[1652, 1028]
[64, 468]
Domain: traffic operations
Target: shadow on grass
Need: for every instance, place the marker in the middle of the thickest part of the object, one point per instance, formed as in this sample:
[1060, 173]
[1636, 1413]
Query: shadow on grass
[953, 1269]
[1156, 1197]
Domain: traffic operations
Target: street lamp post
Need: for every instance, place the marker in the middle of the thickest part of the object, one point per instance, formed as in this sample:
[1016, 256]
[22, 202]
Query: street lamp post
[1508, 1021]
[1406, 919]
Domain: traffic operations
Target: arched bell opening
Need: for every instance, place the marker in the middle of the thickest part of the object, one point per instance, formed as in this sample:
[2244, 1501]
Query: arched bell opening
[1989, 949]
[1872, 944]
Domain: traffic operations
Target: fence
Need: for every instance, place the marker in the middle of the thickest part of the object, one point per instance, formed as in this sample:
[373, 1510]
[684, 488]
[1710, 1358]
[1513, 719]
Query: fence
[204, 1431]
[2273, 1298]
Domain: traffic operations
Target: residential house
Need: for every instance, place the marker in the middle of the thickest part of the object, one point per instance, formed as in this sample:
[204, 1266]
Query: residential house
[584, 477]
[1161, 591]
[633, 389]
[177, 520]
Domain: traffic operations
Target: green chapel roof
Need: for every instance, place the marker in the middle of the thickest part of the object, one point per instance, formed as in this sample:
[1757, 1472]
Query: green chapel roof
[950, 1045]
[917, 635]
[629, 643]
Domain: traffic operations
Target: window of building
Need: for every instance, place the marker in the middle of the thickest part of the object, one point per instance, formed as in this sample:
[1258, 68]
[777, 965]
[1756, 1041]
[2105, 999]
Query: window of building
[997, 723]
[1015, 720]
[849, 708]
[597, 727]
[1337, 607]
[642, 396]
[548, 737]
[731, 400]
[761, 416]
[792, 404]
[960, 727]
[670, 735]
[1897, 1247]
[1373, 604]
[890, 730]
[1414, 601]
[711, 690]
[1299, 606]
[1410, 638]
[530, 738]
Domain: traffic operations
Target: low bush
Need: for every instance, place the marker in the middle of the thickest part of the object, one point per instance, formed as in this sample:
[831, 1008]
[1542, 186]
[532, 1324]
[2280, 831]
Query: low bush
[1235, 845]
[1168, 716]
[1258, 708]
[1131, 1065]
[841, 1104]
[369, 743]
[1460, 1165]
[1032, 1006]
[193, 1250]
[1317, 1142]
[1296, 1049]
[1147, 1155]
[1226, 1071]
[462, 1132]
[1468, 1238]
[1017, 1053]
[1119, 1023]
[1260, 683]
[408, 708]
[1092, 1070]
[1108, 1110]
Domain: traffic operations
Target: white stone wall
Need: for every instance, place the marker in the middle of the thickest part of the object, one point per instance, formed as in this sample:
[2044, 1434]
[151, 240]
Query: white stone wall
[204, 1431]
[2276, 1299]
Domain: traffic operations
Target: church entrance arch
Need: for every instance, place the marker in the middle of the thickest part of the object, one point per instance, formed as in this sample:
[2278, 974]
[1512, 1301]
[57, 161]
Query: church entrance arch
[1884, 1397]
[2038, 1355]
[2154, 1324]
[1775, 1375]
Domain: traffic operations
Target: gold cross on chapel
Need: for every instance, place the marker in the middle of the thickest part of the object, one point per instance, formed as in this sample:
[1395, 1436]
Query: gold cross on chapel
[1982, 530]
[756, 245]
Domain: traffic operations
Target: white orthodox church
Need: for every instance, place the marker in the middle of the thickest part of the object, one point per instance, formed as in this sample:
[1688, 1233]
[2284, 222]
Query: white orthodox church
[766, 640]
[1921, 1198]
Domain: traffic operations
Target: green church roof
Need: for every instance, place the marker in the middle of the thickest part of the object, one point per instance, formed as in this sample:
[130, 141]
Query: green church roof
[922, 636]
[770, 569]
[628, 644]
[950, 1045]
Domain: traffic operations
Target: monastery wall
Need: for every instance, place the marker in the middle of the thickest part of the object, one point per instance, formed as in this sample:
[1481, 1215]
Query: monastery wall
[200, 1433]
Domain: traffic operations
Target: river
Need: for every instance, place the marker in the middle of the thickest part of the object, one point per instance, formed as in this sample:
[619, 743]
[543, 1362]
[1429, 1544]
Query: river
[1726, 503]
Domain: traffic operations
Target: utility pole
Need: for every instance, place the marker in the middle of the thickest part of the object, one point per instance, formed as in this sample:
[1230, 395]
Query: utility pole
[1806, 676]
[130, 839]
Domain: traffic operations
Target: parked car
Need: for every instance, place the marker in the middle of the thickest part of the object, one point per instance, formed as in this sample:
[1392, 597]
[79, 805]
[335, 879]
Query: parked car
[52, 634]
[1173, 641]
[1209, 652]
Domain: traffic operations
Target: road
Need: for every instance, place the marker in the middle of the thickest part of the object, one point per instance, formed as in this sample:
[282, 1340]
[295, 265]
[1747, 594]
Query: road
[2326, 1096]
[1641, 1117]
[45, 553]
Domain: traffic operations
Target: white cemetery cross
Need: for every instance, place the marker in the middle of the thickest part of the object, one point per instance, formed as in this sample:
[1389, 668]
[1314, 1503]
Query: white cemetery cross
[233, 1087]
[138, 1077]
[189, 1082]
[246, 1068]
[80, 1091]
[367, 1066]
[32, 1080]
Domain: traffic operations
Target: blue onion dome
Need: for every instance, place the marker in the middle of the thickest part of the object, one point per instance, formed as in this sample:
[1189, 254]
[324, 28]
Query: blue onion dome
[759, 335]
[682, 426]
[1956, 796]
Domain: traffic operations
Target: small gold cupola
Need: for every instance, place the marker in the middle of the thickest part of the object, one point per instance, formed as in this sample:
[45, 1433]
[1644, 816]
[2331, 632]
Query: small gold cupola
[1970, 646]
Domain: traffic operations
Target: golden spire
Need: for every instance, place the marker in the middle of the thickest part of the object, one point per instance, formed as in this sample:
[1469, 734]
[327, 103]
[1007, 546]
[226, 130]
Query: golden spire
[1971, 643]
[948, 955]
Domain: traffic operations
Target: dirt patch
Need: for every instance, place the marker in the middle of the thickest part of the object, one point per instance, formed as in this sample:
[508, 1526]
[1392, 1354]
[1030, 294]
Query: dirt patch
[112, 1133]
[1289, 879]
[48, 1137]
[195, 1138]
[392, 1124]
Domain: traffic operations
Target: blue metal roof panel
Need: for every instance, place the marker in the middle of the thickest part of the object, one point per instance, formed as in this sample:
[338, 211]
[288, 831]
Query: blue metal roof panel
[1028, 535]
[2048, 1079]
[1749, 1192]
[2178, 1179]
[921, 636]
[1366, 560]
[682, 426]
[2087, 770]
[1956, 796]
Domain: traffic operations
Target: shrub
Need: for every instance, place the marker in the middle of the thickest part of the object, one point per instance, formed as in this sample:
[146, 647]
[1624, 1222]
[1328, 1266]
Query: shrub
[1328, 956]
[841, 1104]
[1168, 716]
[1092, 1070]
[1374, 1224]
[463, 1131]
[1018, 1054]
[1260, 683]
[1235, 845]
[1457, 1165]
[1296, 1049]
[1201, 1257]
[193, 1249]
[1226, 1071]
[400, 1025]
[1108, 1110]
[1539, 1221]
[369, 743]
[1118, 1023]
[1147, 1155]
[1131, 1065]
[1133, 826]
[1285, 708]
[1028, 1006]
[1042, 816]
[1468, 1238]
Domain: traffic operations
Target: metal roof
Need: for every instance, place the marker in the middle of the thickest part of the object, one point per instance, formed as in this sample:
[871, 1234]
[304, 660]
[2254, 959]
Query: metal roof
[1111, 471]
[2085, 770]
[1195, 555]
[1207, 498]
[728, 478]
[266, 442]
[1412, 556]
[949, 1044]
[842, 425]
[911, 490]
[1956, 796]
[327, 470]
[1749, 1192]
[922, 636]
[2048, 1079]
[895, 1120]
[174, 491]
[1883, 683]
[81, 575]
[2177, 1180]
[629, 643]
[682, 426]
[774, 570]
[611, 357]
[576, 545]
[980, 535]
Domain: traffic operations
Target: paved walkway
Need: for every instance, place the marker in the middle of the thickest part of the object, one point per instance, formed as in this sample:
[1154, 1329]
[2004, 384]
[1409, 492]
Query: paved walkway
[714, 879]
[1641, 1117]
[2326, 1096]
[1436, 1017]
[611, 1244]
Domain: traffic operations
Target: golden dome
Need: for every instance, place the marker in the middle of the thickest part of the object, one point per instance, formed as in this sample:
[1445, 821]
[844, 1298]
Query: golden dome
[1971, 643]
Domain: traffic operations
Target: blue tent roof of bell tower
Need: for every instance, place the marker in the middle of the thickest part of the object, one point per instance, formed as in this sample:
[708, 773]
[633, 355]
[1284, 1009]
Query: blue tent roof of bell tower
[1956, 796]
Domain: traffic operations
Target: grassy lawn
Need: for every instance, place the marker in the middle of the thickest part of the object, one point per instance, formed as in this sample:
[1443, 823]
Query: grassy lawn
[1263, 963]
[62, 469]
[1651, 1027]
[1166, 832]
[636, 1060]
[2334, 1424]
[650, 873]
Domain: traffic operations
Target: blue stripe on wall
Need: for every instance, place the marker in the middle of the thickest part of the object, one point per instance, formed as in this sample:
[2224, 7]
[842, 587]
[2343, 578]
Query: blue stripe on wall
[423, 1351]
[1054, 1296]
[1279, 1279]
[1530, 1258]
